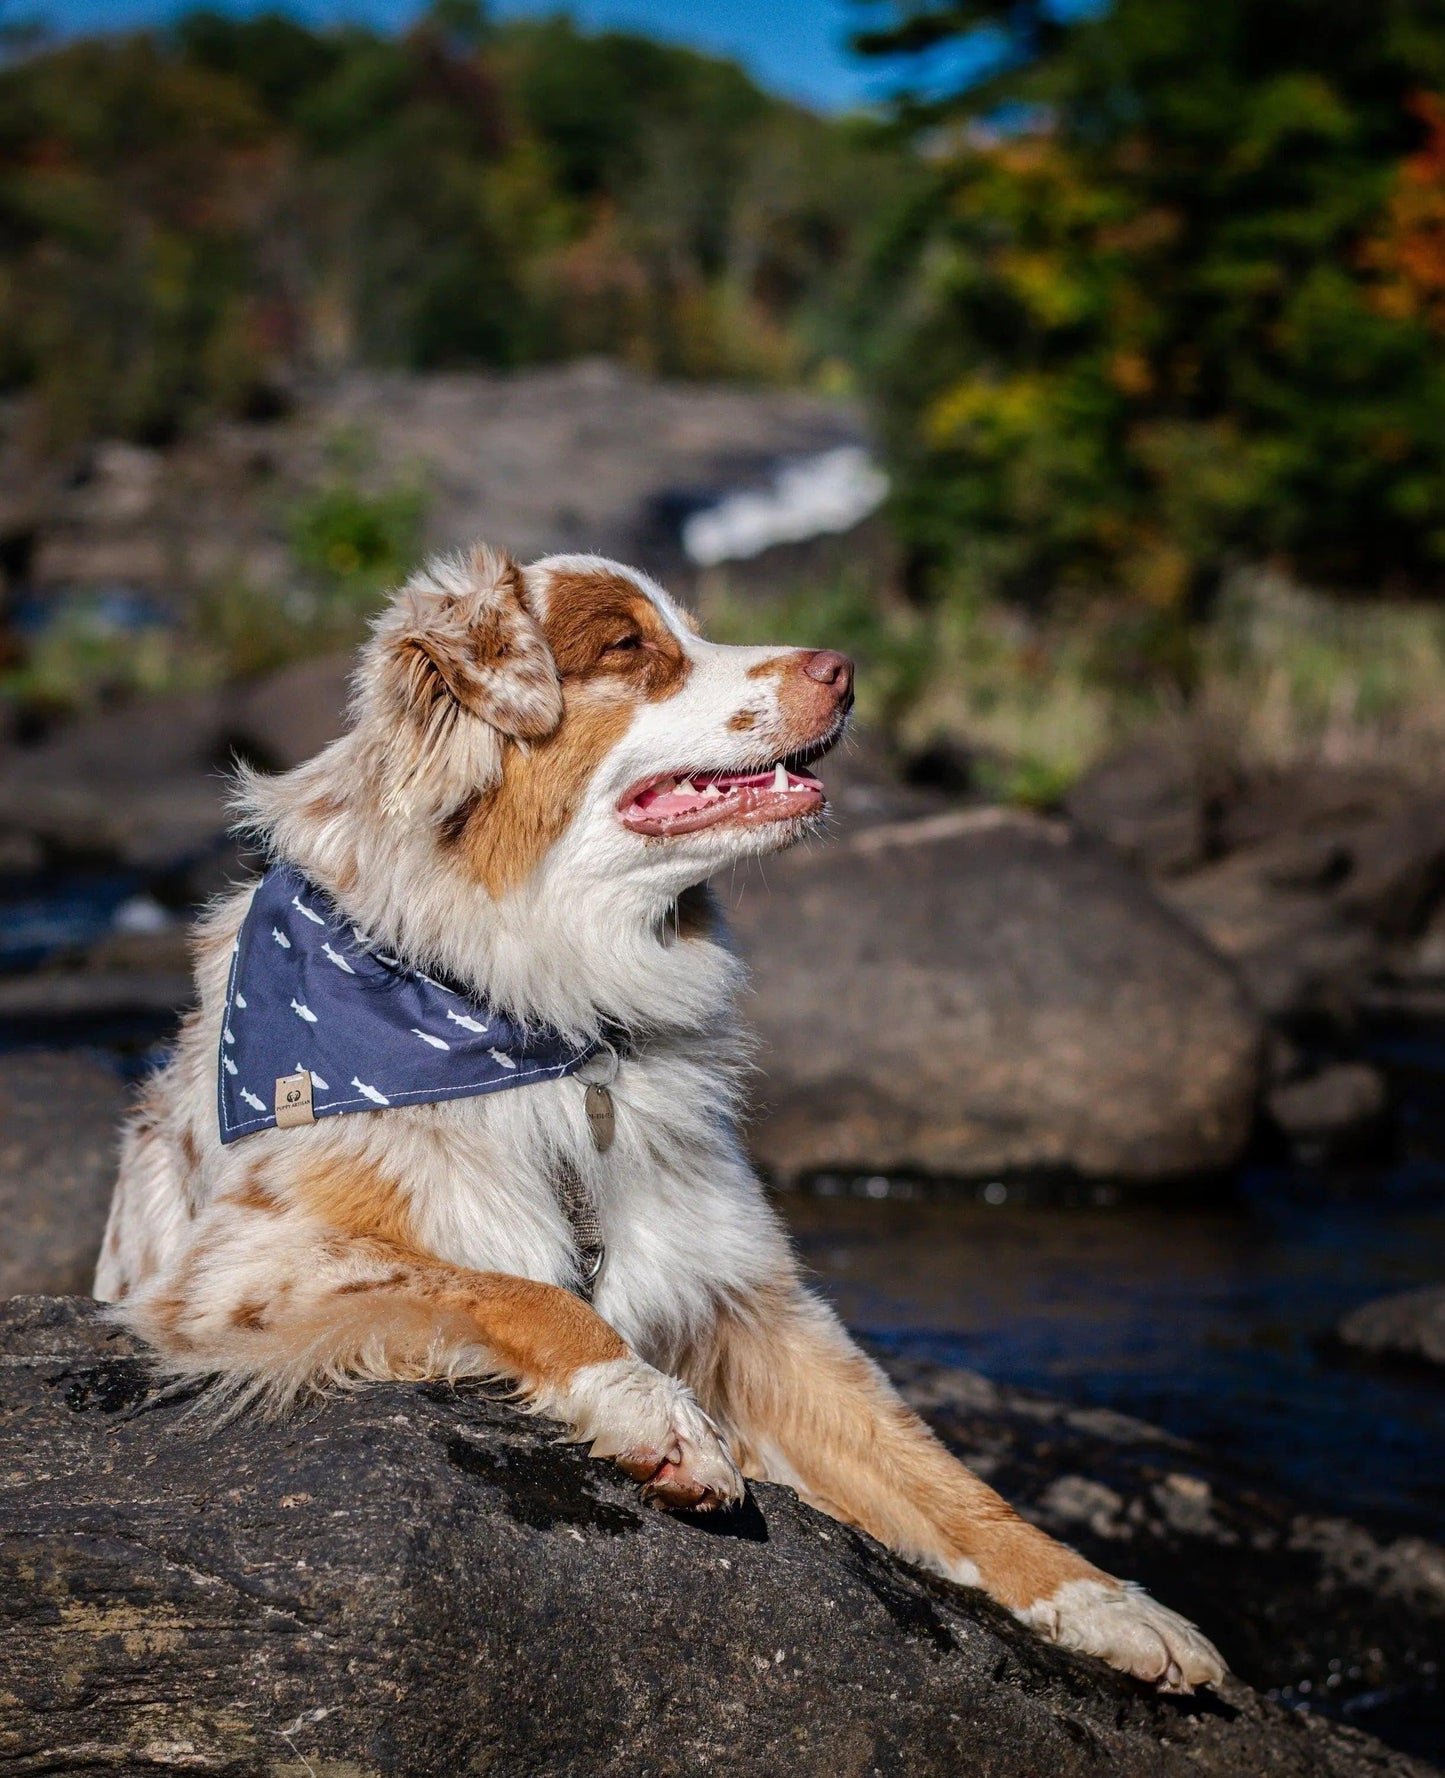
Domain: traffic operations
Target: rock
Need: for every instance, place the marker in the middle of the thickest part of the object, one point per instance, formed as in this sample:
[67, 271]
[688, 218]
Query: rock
[1146, 801]
[1397, 867]
[1409, 1326]
[1310, 880]
[411, 1579]
[1315, 798]
[1313, 1608]
[1425, 961]
[1340, 1100]
[292, 713]
[59, 1116]
[141, 786]
[980, 992]
[1299, 954]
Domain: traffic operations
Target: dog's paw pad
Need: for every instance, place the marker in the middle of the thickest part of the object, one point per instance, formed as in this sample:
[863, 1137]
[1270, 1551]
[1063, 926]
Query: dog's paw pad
[651, 1426]
[1122, 1625]
[691, 1473]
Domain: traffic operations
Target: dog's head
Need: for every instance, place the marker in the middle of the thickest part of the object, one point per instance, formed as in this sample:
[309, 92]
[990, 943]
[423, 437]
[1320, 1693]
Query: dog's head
[569, 714]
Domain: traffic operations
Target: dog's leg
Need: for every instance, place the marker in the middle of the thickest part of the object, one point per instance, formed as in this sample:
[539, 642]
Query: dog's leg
[268, 1304]
[802, 1405]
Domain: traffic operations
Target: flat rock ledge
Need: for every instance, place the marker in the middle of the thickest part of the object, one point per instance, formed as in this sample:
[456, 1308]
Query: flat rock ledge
[419, 1580]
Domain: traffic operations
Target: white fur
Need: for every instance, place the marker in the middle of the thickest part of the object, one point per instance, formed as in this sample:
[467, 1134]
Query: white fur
[1125, 1627]
[588, 938]
[625, 1408]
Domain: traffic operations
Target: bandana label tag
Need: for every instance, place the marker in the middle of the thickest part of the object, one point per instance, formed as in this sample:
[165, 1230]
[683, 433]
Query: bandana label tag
[293, 1100]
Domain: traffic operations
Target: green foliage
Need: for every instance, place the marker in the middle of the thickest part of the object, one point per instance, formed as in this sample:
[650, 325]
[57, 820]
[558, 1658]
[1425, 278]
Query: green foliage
[1173, 300]
[352, 544]
[83, 658]
[192, 221]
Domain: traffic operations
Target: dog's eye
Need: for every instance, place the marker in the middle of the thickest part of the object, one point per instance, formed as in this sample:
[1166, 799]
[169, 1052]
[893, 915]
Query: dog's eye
[623, 644]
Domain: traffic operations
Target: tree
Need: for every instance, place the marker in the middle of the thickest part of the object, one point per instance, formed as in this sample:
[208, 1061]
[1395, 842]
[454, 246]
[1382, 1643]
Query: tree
[1174, 297]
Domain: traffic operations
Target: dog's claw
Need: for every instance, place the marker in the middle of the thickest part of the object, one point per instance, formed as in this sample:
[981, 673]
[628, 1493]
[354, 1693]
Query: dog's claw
[655, 1431]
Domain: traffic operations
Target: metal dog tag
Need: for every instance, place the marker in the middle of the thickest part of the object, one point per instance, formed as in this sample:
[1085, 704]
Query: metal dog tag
[601, 1118]
[293, 1100]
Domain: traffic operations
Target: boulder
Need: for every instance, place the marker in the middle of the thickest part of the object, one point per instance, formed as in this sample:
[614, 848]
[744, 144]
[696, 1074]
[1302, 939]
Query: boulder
[142, 786]
[1339, 1102]
[981, 992]
[418, 1580]
[1315, 881]
[58, 1120]
[1299, 956]
[1147, 802]
[1408, 1326]
[289, 715]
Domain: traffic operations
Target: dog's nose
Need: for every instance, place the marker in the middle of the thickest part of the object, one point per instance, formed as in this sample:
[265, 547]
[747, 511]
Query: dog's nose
[832, 669]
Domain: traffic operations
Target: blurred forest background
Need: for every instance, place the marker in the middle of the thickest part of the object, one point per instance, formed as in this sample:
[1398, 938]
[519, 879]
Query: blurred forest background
[1145, 316]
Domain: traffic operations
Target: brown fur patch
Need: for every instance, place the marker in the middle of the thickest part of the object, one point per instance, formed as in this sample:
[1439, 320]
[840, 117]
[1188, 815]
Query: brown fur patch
[324, 806]
[352, 1196]
[588, 615]
[166, 1312]
[744, 720]
[454, 825]
[357, 1285]
[782, 1380]
[512, 828]
[190, 1150]
[776, 667]
[250, 1315]
[535, 1331]
[250, 1194]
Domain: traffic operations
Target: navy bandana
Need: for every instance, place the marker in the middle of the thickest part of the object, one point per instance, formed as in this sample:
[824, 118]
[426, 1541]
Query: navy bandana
[306, 994]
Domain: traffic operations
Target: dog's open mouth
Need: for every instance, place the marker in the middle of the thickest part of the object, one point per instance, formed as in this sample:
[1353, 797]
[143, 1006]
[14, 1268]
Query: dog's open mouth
[670, 803]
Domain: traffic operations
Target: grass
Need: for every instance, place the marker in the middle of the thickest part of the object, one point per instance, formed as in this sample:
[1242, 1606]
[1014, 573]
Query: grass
[1287, 676]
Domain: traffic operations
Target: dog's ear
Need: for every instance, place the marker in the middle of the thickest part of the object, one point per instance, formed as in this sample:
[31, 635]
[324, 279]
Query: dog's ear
[457, 665]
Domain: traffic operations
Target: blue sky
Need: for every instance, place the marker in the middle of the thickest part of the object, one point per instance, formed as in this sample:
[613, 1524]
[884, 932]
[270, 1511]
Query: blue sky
[797, 47]
[793, 46]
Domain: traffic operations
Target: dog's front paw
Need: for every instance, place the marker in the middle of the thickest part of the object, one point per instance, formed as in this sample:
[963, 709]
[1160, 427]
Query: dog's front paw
[1122, 1625]
[651, 1425]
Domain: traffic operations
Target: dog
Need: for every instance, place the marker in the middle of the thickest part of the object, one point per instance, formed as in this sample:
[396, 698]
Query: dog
[541, 769]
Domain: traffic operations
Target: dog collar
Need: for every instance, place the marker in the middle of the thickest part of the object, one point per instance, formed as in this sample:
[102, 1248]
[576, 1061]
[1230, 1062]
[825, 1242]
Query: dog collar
[318, 1023]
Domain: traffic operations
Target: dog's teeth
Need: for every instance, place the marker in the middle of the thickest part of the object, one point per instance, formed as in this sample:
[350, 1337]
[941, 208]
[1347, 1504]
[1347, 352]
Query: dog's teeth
[711, 793]
[780, 776]
[686, 787]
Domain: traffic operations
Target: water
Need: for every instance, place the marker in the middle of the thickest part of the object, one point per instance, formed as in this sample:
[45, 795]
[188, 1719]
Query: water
[1211, 1319]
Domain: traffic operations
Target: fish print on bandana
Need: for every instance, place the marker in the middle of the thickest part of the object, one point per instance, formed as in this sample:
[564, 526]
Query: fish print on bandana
[306, 993]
